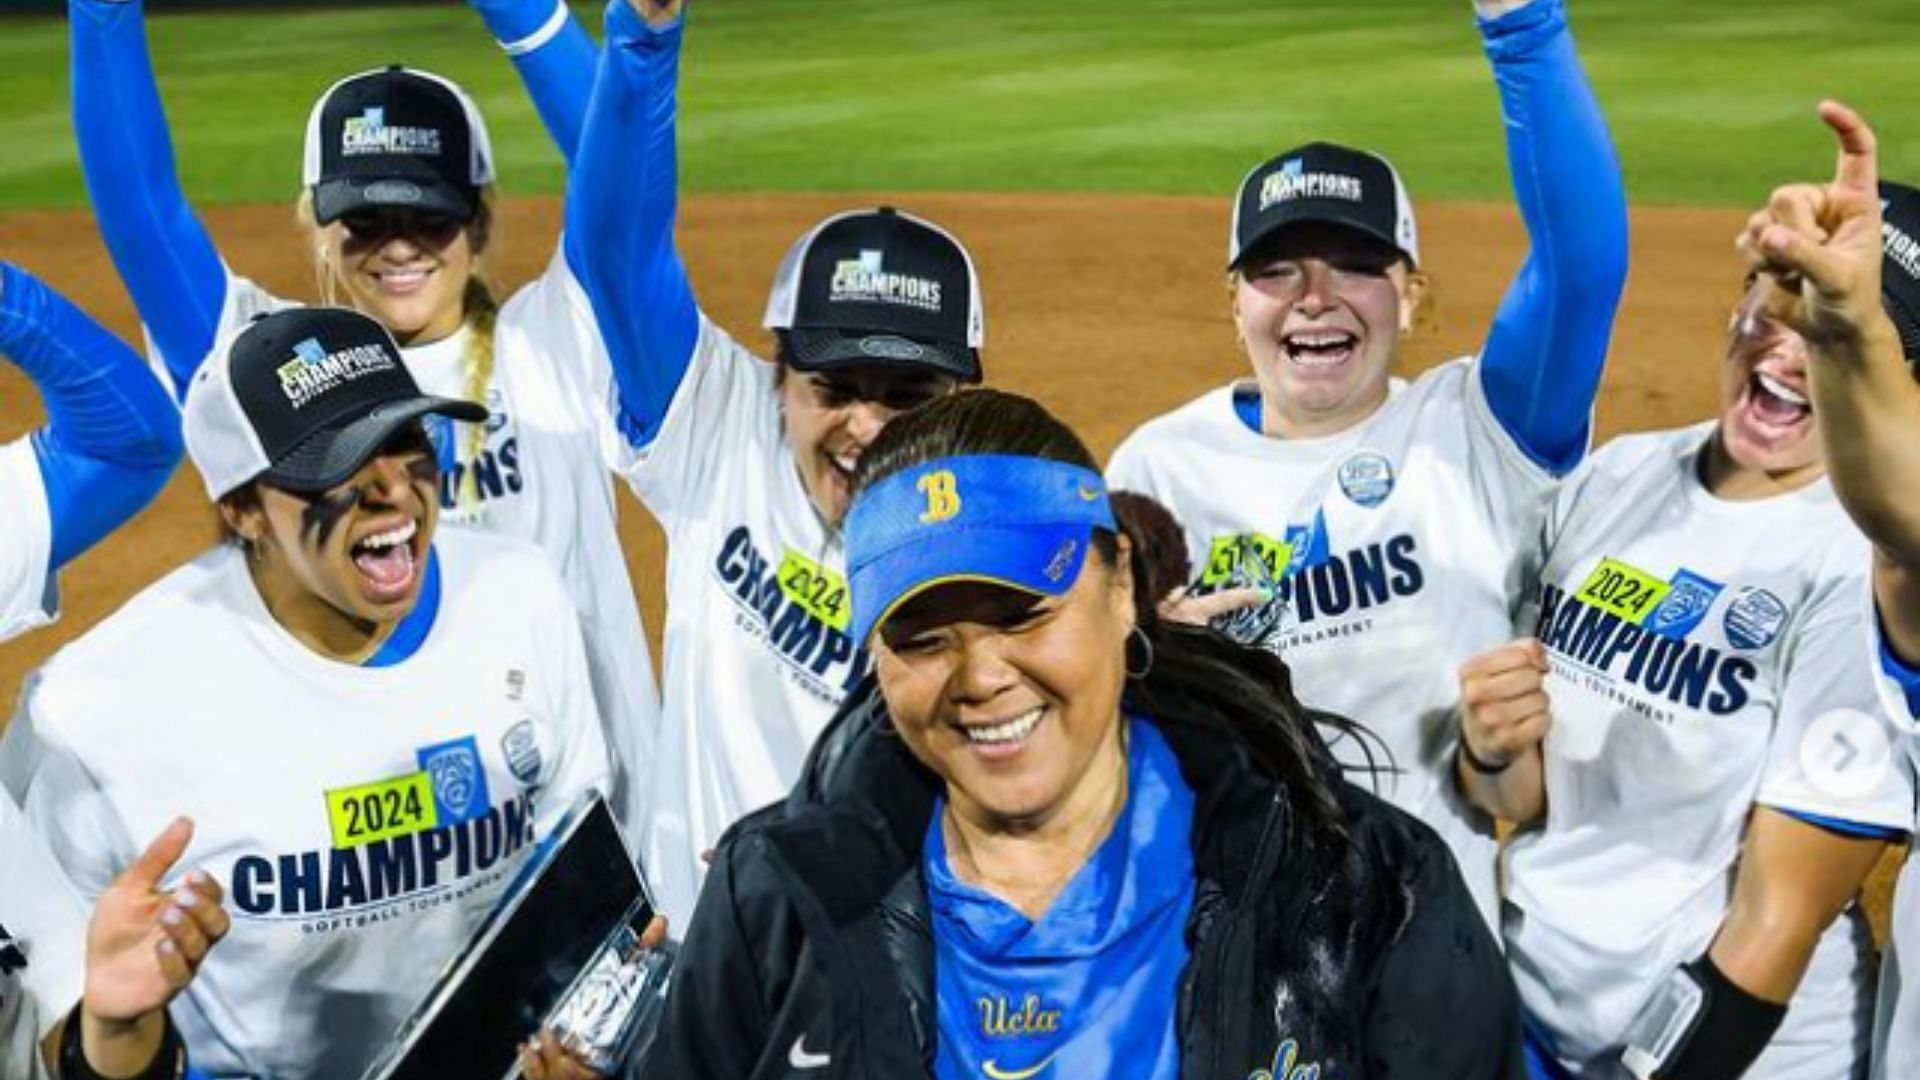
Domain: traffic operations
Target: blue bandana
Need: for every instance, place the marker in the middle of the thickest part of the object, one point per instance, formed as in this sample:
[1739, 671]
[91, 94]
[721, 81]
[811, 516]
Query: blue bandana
[1092, 988]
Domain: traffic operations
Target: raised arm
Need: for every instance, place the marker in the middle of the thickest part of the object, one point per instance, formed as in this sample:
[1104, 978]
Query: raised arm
[112, 437]
[555, 58]
[163, 253]
[1543, 356]
[620, 212]
[1824, 247]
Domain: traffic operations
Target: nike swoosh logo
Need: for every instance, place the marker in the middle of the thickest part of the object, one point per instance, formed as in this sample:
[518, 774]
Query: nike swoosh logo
[1088, 494]
[800, 1059]
[995, 1072]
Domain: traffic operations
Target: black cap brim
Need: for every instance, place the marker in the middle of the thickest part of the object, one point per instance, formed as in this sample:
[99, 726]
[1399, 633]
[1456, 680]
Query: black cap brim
[829, 350]
[336, 198]
[331, 455]
[1309, 212]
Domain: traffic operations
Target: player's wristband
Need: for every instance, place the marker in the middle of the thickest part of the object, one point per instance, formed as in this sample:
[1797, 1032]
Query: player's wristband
[1699, 1026]
[1481, 765]
[170, 1063]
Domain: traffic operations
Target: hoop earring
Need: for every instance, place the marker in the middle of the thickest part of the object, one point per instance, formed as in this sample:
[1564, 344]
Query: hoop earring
[1144, 668]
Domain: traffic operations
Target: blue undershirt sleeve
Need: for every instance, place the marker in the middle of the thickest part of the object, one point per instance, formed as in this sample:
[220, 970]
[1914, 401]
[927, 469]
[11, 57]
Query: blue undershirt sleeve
[555, 57]
[1904, 675]
[1543, 356]
[112, 436]
[163, 253]
[621, 203]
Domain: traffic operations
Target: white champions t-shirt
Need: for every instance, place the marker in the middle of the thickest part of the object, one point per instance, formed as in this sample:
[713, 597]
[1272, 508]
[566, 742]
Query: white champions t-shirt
[362, 820]
[758, 648]
[1423, 514]
[541, 475]
[1706, 657]
[1897, 1029]
[27, 592]
[43, 938]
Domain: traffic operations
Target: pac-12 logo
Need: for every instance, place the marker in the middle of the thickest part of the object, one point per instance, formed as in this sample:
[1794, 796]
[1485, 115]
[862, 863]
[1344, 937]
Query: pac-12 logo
[942, 490]
[459, 780]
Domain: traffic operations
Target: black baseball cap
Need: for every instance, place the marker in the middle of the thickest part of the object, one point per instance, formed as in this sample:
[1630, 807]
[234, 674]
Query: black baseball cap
[1323, 182]
[1900, 263]
[302, 399]
[396, 138]
[879, 287]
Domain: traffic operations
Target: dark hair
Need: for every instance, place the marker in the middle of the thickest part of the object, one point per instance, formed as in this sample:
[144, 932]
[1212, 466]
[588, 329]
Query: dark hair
[1159, 543]
[244, 498]
[1198, 678]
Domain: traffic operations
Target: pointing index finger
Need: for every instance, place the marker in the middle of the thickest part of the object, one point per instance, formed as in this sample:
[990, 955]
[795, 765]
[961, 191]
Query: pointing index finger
[1858, 167]
[151, 867]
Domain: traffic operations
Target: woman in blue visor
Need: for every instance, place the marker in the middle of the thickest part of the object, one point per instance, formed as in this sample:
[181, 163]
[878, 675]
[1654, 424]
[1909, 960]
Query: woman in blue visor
[1055, 836]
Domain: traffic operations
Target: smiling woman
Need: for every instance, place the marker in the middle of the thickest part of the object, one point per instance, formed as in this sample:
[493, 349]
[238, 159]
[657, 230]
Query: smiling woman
[1722, 606]
[748, 465]
[1387, 519]
[340, 653]
[396, 212]
[1057, 836]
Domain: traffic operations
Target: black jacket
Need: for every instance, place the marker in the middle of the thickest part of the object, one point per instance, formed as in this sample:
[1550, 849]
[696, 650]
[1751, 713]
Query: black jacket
[810, 955]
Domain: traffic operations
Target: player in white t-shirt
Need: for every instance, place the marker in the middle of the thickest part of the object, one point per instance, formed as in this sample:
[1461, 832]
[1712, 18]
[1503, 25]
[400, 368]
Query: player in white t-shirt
[398, 197]
[1831, 251]
[111, 441]
[746, 463]
[1385, 520]
[1694, 749]
[372, 725]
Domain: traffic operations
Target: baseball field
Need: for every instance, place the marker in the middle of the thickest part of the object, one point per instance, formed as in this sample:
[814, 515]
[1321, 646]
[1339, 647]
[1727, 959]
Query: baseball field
[1085, 149]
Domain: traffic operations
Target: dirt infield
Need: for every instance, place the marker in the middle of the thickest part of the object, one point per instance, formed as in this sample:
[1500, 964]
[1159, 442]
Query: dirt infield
[1109, 309]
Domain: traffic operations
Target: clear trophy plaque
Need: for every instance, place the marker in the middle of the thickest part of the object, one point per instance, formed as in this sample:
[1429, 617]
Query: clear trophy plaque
[560, 951]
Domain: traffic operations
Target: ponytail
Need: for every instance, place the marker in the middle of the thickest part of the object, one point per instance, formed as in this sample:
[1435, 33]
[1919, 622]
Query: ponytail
[482, 314]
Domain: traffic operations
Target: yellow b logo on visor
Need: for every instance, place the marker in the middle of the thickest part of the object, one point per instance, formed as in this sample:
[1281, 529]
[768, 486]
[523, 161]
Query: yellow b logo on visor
[943, 496]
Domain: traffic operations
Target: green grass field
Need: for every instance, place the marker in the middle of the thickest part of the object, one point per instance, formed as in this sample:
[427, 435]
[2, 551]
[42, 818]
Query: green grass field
[1711, 101]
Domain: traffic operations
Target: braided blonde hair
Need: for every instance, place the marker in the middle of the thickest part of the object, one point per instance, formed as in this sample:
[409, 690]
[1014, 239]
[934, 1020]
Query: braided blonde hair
[480, 311]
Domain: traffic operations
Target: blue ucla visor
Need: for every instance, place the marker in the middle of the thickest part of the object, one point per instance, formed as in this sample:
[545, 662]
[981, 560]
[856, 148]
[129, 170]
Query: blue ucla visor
[1022, 522]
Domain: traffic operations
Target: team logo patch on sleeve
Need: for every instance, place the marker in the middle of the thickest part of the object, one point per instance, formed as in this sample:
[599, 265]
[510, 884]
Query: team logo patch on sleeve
[1754, 619]
[459, 779]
